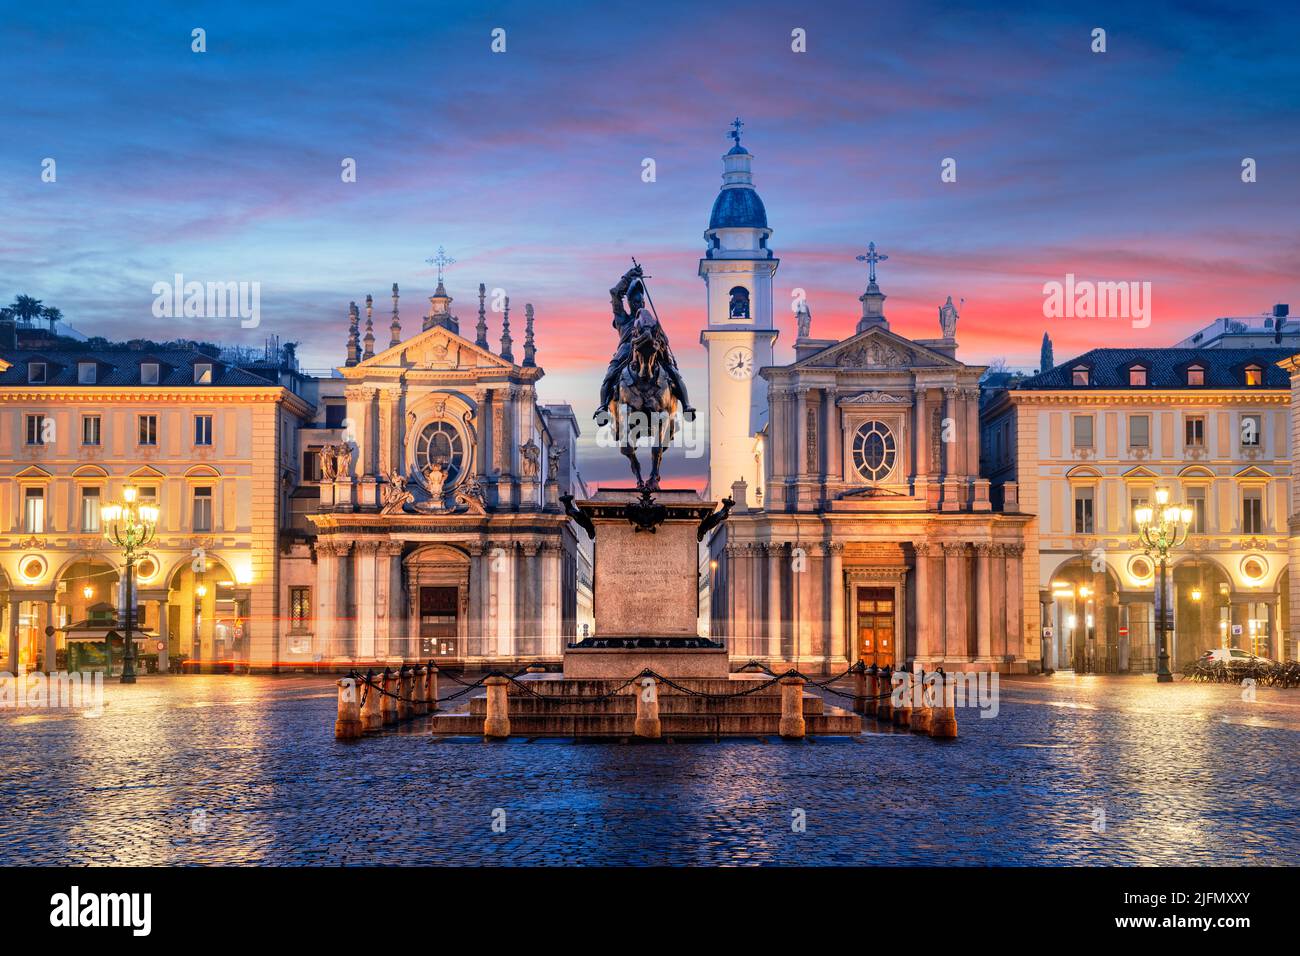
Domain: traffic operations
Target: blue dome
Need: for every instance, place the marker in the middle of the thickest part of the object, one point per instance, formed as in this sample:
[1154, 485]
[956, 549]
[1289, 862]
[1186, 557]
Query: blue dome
[738, 209]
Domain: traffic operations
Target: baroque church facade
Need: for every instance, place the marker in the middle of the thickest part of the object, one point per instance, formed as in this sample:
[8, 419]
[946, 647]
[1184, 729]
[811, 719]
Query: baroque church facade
[862, 529]
[439, 531]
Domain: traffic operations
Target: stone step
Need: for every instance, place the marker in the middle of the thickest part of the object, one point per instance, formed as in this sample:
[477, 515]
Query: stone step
[584, 687]
[525, 704]
[835, 723]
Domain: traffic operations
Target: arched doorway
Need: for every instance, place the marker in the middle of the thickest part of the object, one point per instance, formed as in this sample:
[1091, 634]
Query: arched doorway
[208, 614]
[437, 582]
[1202, 610]
[89, 596]
[1085, 619]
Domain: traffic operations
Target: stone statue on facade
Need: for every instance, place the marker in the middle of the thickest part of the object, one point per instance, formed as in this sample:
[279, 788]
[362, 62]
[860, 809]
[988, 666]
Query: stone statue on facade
[948, 319]
[553, 462]
[396, 495]
[469, 497]
[335, 461]
[531, 460]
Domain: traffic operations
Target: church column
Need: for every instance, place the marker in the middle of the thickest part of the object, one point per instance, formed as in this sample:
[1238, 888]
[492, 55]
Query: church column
[983, 602]
[326, 623]
[924, 619]
[530, 574]
[364, 567]
[510, 448]
[1015, 601]
[483, 429]
[834, 439]
[553, 604]
[950, 450]
[921, 429]
[836, 552]
[390, 631]
[503, 563]
[972, 436]
[955, 638]
[475, 630]
[387, 430]
[806, 612]
[774, 559]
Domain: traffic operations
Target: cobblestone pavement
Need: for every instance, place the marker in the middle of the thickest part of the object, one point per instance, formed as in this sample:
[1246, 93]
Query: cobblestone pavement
[221, 769]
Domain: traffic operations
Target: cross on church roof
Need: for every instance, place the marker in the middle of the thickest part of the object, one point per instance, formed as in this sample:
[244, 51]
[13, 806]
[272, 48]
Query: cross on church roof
[736, 126]
[871, 258]
[441, 260]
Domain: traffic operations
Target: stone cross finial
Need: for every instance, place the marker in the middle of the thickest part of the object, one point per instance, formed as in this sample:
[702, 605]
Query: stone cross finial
[736, 126]
[871, 258]
[441, 261]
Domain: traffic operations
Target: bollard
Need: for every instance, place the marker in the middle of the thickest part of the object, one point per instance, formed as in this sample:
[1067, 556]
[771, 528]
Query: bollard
[943, 719]
[884, 690]
[372, 717]
[347, 726]
[860, 690]
[903, 713]
[497, 723]
[869, 705]
[388, 705]
[792, 722]
[922, 712]
[432, 692]
[419, 704]
[647, 709]
[404, 693]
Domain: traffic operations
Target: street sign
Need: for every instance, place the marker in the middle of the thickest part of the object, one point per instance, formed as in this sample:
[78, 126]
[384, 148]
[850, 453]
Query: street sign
[1047, 632]
[1123, 632]
[1236, 630]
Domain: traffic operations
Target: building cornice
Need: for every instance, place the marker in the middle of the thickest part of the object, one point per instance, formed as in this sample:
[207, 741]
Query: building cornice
[137, 394]
[1193, 397]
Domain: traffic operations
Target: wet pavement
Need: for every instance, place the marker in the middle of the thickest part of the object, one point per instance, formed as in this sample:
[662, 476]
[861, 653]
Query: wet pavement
[245, 770]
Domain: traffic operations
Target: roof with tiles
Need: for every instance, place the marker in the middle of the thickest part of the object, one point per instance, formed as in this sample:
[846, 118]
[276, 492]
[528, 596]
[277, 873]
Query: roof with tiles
[121, 367]
[1166, 369]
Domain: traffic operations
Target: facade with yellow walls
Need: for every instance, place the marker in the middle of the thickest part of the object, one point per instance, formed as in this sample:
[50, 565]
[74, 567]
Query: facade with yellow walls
[1088, 442]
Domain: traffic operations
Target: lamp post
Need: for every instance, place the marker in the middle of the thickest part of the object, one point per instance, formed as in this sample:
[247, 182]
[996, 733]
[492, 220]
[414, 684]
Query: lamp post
[130, 527]
[1159, 534]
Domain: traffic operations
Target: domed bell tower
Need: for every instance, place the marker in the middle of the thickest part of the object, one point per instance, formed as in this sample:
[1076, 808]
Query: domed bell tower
[737, 270]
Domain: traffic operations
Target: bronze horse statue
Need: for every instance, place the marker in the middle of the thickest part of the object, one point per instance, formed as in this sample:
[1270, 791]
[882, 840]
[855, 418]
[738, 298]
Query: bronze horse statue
[644, 404]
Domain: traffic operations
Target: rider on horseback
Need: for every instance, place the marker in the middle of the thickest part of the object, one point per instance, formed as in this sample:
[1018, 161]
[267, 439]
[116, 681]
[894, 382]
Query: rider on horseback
[632, 286]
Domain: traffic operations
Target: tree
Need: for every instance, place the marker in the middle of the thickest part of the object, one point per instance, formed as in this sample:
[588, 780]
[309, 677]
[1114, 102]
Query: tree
[52, 315]
[26, 309]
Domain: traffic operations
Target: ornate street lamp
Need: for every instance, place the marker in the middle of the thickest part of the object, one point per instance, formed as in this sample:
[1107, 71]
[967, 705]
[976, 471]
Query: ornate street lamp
[129, 526]
[1159, 534]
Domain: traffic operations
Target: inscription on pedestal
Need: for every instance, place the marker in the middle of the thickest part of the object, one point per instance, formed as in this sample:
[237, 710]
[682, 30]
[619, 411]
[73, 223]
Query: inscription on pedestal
[645, 584]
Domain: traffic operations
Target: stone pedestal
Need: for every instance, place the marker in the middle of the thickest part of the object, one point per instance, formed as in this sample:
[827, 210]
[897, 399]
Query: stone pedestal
[646, 591]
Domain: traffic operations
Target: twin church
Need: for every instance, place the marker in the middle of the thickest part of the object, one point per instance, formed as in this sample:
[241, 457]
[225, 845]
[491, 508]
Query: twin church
[409, 504]
[862, 528]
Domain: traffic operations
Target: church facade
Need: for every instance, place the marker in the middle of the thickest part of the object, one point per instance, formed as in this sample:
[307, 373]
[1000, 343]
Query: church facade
[439, 531]
[862, 529]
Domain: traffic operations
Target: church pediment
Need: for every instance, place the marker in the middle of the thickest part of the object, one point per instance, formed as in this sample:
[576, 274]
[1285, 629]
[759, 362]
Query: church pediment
[435, 348]
[874, 398]
[876, 348]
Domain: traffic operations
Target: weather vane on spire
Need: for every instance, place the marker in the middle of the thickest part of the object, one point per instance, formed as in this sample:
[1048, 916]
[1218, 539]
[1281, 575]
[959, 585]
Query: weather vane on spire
[871, 258]
[441, 260]
[736, 126]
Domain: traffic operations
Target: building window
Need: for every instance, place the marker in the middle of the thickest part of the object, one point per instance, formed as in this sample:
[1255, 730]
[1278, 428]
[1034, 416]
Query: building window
[1137, 375]
[1195, 375]
[148, 373]
[441, 442]
[147, 426]
[335, 414]
[874, 450]
[34, 510]
[37, 373]
[203, 373]
[1252, 511]
[1083, 512]
[311, 465]
[1082, 431]
[1139, 431]
[90, 510]
[1251, 425]
[87, 373]
[1136, 499]
[202, 509]
[1254, 375]
[203, 429]
[36, 429]
[90, 429]
[299, 609]
[1195, 498]
[1194, 431]
[1080, 375]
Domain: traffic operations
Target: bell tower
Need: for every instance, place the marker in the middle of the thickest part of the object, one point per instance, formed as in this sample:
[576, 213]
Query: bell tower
[737, 270]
